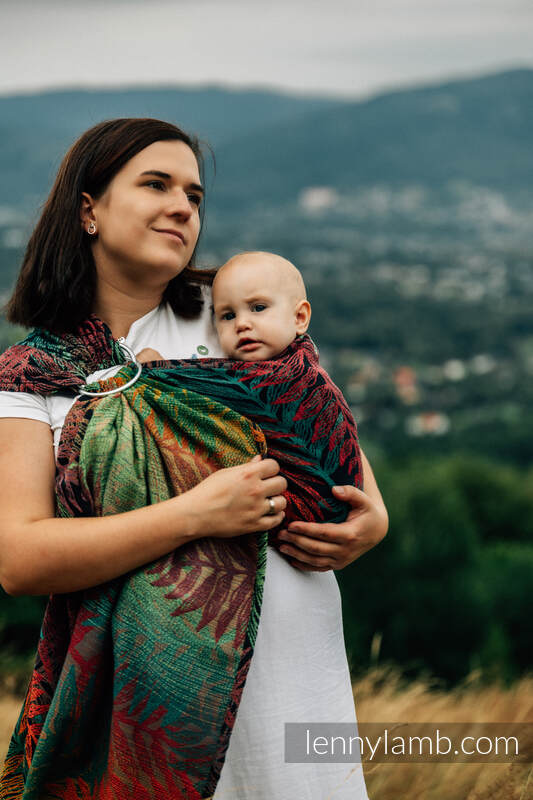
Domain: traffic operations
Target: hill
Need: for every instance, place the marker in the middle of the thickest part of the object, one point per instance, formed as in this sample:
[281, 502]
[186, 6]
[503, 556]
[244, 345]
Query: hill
[477, 131]
[269, 147]
[36, 129]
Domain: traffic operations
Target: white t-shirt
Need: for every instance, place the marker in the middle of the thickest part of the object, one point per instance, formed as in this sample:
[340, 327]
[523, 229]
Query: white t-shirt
[299, 671]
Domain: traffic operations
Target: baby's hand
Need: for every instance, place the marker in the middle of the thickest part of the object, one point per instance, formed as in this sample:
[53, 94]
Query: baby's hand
[148, 355]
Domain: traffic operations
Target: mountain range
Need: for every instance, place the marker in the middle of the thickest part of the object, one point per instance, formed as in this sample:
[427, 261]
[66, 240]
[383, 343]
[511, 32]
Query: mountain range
[271, 146]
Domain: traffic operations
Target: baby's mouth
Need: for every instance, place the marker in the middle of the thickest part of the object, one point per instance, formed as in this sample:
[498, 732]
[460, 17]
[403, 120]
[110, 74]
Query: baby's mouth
[247, 344]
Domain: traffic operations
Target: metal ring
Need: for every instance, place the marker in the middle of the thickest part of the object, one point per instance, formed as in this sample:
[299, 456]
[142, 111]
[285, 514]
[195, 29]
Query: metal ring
[272, 507]
[130, 357]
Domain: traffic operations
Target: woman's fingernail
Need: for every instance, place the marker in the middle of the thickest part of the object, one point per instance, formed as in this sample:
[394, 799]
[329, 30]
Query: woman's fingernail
[340, 489]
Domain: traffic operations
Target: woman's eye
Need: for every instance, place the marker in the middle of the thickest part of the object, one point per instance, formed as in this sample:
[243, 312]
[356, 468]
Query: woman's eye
[228, 315]
[258, 307]
[195, 198]
[156, 185]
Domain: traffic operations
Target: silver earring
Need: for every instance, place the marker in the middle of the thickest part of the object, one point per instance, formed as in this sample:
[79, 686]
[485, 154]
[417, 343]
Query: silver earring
[92, 228]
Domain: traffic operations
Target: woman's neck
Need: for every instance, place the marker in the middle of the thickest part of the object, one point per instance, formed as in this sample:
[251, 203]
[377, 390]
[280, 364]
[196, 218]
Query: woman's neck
[119, 309]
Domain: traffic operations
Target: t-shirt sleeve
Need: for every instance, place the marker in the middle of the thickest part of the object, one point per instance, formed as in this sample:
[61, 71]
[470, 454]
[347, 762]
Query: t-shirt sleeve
[24, 405]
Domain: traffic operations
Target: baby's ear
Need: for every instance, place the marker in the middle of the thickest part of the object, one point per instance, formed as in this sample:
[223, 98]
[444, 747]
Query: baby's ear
[302, 314]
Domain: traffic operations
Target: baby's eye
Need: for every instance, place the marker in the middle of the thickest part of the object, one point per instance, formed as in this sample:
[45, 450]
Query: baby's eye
[228, 315]
[258, 307]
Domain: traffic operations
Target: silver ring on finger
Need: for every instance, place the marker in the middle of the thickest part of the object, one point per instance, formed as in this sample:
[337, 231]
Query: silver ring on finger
[271, 507]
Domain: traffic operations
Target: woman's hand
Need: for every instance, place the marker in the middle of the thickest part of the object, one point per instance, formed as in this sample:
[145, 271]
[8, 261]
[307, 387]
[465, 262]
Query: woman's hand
[319, 547]
[235, 500]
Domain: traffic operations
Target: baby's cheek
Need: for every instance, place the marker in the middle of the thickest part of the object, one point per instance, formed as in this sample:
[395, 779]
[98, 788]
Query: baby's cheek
[226, 343]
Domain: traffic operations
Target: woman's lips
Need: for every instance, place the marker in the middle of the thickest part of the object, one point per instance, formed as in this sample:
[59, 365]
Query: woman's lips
[176, 236]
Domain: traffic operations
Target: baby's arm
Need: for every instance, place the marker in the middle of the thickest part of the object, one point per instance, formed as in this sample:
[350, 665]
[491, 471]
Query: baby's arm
[148, 354]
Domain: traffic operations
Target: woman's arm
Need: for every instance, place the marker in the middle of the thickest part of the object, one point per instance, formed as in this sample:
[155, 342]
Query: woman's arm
[319, 547]
[41, 554]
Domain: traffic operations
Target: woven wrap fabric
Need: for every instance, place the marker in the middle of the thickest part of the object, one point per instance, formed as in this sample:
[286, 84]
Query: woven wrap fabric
[137, 682]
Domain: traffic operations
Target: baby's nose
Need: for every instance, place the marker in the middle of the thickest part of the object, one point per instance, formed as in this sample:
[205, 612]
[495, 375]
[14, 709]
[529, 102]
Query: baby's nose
[242, 322]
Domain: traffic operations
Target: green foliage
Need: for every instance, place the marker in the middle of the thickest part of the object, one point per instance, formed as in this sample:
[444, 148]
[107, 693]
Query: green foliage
[9, 334]
[448, 589]
[499, 497]
[20, 620]
[508, 572]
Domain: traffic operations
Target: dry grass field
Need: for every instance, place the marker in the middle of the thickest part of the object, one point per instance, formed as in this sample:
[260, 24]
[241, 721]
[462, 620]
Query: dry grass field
[382, 696]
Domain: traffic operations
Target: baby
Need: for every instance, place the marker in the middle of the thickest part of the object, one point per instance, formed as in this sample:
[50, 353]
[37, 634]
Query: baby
[260, 310]
[260, 307]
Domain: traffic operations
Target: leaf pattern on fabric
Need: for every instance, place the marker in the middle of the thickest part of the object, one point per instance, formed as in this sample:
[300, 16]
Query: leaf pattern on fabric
[219, 570]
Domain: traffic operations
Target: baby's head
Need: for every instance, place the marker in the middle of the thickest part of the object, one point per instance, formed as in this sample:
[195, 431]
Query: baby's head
[260, 306]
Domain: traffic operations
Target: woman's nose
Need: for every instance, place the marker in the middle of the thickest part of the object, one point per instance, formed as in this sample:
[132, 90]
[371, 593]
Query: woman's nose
[179, 205]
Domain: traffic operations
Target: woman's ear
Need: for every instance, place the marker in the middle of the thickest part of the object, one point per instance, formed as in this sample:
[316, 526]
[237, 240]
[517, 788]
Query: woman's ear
[87, 217]
[302, 314]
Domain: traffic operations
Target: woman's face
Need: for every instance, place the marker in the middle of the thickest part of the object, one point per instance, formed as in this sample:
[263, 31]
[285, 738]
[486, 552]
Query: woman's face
[147, 221]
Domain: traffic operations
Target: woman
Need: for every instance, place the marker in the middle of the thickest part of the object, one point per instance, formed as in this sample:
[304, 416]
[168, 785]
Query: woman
[117, 240]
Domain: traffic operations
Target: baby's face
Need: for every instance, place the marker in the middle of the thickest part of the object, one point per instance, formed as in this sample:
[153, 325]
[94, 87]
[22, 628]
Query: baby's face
[255, 314]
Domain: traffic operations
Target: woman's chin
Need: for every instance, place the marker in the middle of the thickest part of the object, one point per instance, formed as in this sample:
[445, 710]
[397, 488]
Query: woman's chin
[161, 270]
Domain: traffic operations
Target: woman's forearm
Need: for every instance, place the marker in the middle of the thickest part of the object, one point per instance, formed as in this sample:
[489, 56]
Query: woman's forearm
[65, 555]
[41, 554]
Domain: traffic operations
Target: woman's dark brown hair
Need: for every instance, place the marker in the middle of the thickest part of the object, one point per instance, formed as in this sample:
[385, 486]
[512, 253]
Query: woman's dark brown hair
[56, 285]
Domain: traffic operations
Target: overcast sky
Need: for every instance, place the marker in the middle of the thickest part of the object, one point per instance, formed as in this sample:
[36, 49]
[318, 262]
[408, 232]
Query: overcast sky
[344, 47]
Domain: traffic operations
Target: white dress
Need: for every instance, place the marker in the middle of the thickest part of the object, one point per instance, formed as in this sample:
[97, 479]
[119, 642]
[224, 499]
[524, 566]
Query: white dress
[299, 671]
